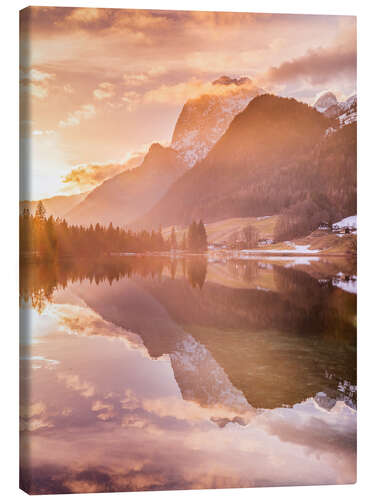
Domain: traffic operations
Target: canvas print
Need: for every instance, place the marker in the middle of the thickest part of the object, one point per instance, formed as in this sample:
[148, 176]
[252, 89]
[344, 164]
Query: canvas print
[188, 239]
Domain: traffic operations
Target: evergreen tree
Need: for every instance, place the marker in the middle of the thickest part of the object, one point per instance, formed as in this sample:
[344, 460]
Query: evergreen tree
[40, 213]
[173, 239]
[53, 238]
[202, 236]
[183, 243]
[197, 237]
[193, 237]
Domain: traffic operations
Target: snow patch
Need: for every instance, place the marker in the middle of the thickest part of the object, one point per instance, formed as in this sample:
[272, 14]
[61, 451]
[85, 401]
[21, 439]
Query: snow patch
[350, 222]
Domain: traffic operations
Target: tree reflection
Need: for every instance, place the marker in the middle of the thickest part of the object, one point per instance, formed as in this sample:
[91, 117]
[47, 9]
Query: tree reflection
[196, 271]
[40, 279]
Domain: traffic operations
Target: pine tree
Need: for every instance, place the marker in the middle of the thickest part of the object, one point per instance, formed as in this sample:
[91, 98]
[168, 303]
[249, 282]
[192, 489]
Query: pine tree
[202, 236]
[173, 239]
[193, 238]
[183, 244]
[40, 213]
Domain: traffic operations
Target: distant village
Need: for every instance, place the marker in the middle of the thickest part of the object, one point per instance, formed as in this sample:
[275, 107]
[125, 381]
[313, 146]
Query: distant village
[244, 241]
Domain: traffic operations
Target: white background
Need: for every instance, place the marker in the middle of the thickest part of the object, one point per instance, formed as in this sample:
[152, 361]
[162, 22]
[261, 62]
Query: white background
[364, 9]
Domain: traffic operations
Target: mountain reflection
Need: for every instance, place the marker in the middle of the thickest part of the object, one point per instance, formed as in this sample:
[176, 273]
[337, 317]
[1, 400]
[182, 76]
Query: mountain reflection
[182, 372]
[279, 334]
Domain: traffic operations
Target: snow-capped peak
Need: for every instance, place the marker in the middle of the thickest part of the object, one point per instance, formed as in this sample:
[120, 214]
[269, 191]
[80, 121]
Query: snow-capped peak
[325, 101]
[344, 111]
[204, 120]
[351, 100]
[227, 80]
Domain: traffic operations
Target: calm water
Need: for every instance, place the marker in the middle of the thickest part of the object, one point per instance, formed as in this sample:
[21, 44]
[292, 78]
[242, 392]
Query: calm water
[149, 373]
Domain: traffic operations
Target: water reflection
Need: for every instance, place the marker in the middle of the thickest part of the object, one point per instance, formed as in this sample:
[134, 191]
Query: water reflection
[156, 373]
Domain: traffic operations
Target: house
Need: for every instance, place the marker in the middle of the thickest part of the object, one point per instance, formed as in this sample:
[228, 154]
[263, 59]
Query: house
[264, 242]
[324, 226]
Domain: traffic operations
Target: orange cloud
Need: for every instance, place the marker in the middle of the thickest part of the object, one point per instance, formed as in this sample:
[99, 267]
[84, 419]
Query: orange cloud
[68, 89]
[85, 112]
[35, 82]
[138, 78]
[191, 89]
[87, 176]
[73, 382]
[85, 15]
[105, 90]
[35, 75]
[131, 99]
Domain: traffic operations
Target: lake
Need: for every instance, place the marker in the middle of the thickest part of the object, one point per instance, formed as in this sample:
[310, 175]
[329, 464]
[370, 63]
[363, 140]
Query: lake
[155, 373]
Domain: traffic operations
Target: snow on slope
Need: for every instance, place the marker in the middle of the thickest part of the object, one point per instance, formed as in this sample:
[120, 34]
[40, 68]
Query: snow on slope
[347, 222]
[345, 111]
[204, 120]
[325, 101]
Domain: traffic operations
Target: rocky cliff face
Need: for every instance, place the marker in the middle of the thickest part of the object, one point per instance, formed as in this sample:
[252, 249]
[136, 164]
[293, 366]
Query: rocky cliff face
[204, 120]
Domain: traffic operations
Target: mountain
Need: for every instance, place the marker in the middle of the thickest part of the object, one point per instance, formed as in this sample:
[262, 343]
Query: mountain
[325, 101]
[202, 330]
[203, 120]
[128, 195]
[344, 111]
[275, 157]
[57, 206]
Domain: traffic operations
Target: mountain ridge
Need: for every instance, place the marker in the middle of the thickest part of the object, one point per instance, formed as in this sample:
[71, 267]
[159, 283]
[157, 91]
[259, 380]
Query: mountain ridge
[272, 138]
[131, 193]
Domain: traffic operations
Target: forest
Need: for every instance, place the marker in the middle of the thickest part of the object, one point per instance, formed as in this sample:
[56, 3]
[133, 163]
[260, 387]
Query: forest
[52, 238]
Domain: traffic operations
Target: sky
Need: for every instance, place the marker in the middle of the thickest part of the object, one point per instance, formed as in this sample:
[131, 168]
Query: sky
[99, 86]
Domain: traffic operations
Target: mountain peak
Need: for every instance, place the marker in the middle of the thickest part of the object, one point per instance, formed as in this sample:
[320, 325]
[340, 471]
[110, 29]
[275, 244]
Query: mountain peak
[203, 120]
[155, 147]
[227, 80]
[267, 142]
[325, 101]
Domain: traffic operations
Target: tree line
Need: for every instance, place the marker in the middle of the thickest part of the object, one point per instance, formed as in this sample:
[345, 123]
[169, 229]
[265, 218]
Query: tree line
[51, 238]
[194, 240]
[41, 279]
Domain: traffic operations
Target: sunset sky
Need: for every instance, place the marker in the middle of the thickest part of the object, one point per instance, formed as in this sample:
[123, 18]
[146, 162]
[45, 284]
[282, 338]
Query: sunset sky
[103, 84]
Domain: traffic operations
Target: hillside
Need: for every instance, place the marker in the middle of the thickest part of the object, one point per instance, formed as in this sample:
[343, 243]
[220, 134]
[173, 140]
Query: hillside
[227, 230]
[57, 206]
[275, 158]
[123, 198]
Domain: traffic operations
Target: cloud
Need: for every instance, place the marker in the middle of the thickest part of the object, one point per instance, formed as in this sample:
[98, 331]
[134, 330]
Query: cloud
[68, 89]
[42, 132]
[35, 75]
[105, 90]
[135, 78]
[317, 66]
[321, 64]
[131, 99]
[85, 15]
[39, 91]
[85, 112]
[87, 176]
[179, 93]
[73, 382]
[35, 82]
[104, 411]
[139, 78]
[33, 417]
